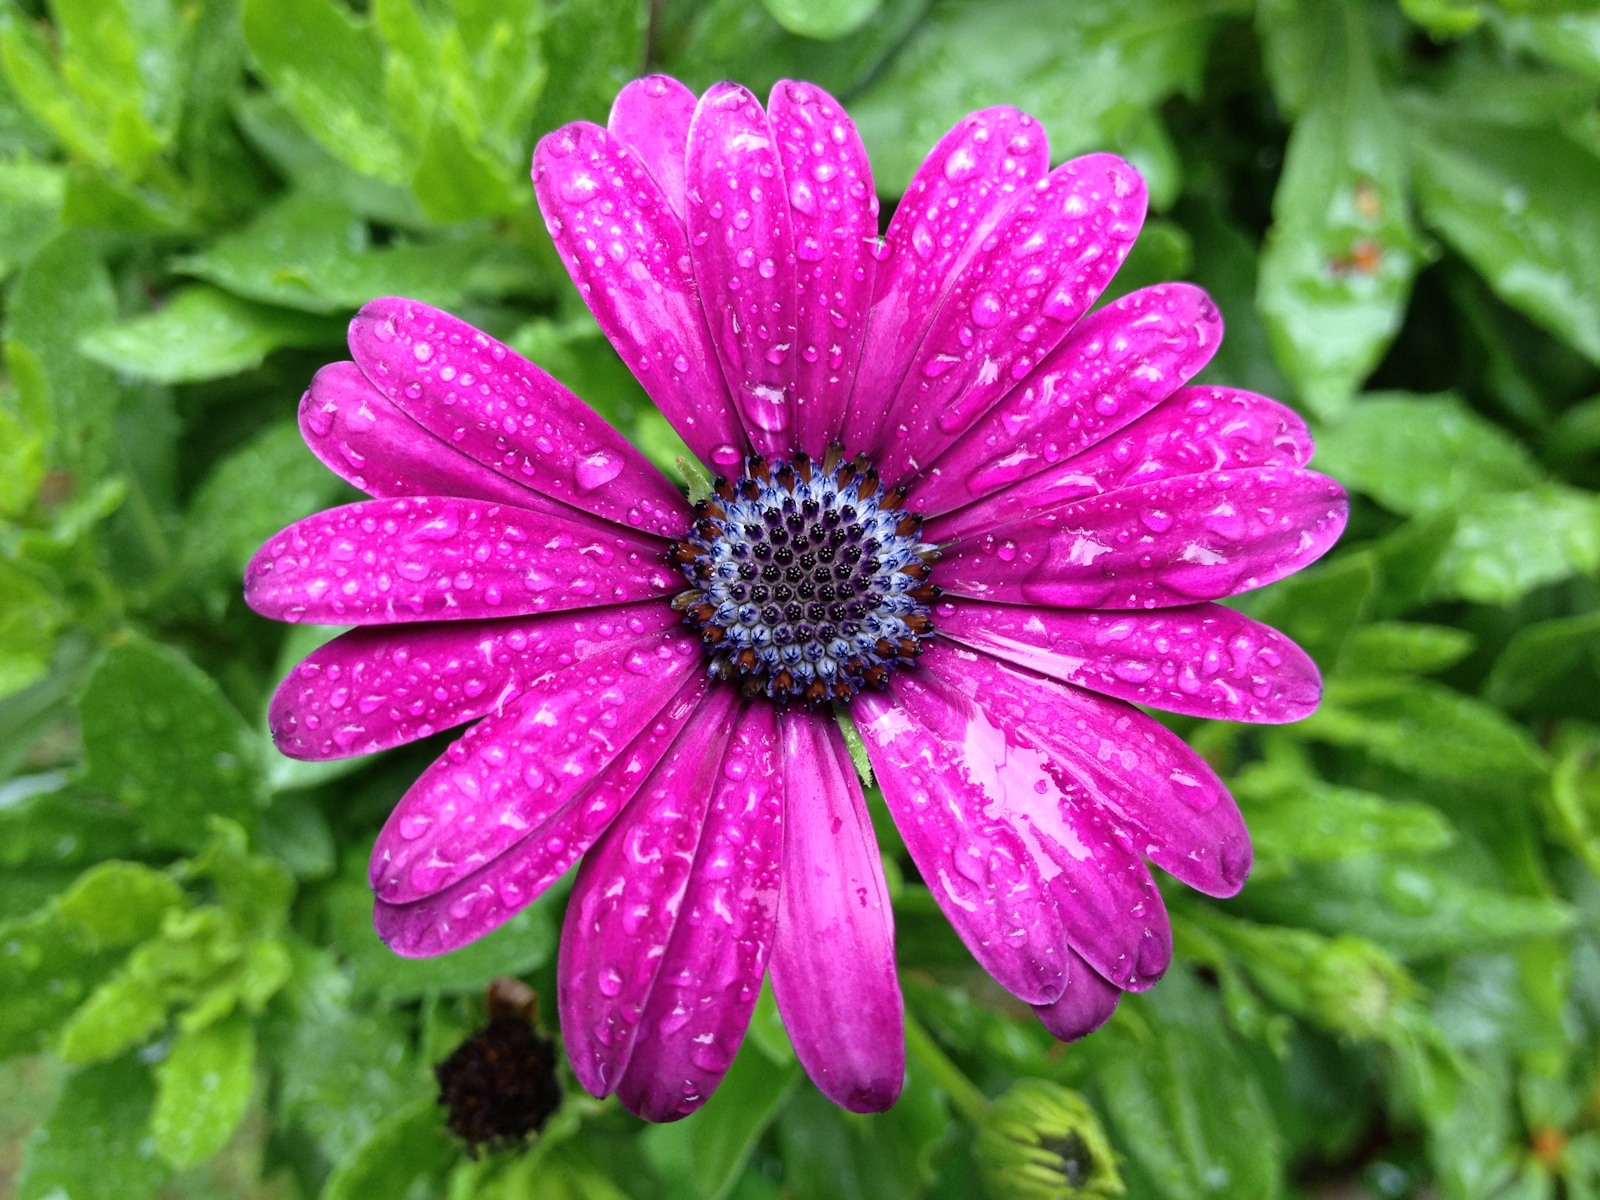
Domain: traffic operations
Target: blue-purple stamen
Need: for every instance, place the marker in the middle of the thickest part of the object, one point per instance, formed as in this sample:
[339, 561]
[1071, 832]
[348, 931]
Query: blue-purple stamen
[808, 581]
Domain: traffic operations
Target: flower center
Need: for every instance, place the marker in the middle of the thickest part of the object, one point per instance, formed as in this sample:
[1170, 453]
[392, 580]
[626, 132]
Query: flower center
[807, 580]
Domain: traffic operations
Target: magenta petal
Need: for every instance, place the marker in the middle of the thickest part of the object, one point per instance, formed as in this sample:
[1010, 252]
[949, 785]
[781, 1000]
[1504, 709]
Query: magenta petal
[1086, 1005]
[375, 688]
[629, 255]
[508, 775]
[1197, 429]
[834, 212]
[627, 897]
[371, 444]
[962, 189]
[651, 115]
[492, 404]
[741, 239]
[1156, 794]
[1203, 660]
[958, 799]
[1114, 366]
[833, 969]
[711, 967]
[490, 896]
[1174, 541]
[1109, 906]
[438, 558]
[1046, 261]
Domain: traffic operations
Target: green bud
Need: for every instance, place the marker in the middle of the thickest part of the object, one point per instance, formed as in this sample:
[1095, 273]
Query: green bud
[1041, 1141]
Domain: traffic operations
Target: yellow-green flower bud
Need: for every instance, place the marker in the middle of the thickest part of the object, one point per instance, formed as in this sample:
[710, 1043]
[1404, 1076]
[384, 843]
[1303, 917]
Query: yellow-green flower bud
[1041, 1141]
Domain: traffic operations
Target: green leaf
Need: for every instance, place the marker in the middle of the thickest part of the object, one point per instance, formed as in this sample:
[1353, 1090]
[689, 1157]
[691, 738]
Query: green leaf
[310, 253]
[1157, 1070]
[1505, 546]
[95, 1144]
[340, 1069]
[48, 965]
[967, 56]
[1415, 908]
[1425, 729]
[822, 19]
[160, 738]
[739, 39]
[1550, 667]
[327, 66]
[1295, 817]
[29, 617]
[712, 1149]
[592, 48]
[111, 93]
[203, 333]
[119, 903]
[1344, 984]
[829, 1152]
[410, 1149]
[1571, 40]
[64, 292]
[269, 482]
[1423, 454]
[30, 204]
[1515, 204]
[456, 180]
[1574, 804]
[203, 1087]
[272, 129]
[1402, 648]
[1341, 253]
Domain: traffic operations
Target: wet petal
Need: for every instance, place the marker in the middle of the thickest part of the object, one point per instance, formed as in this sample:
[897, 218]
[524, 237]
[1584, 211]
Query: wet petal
[484, 900]
[834, 213]
[1086, 1005]
[651, 115]
[380, 687]
[1203, 660]
[1115, 365]
[1109, 907]
[1175, 541]
[509, 775]
[711, 971]
[1150, 790]
[1046, 261]
[741, 239]
[833, 969]
[962, 189]
[489, 402]
[371, 444]
[958, 799]
[629, 255]
[1197, 429]
[438, 558]
[627, 897]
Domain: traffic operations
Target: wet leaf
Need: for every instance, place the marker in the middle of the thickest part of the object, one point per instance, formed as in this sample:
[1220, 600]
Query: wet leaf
[967, 56]
[202, 1090]
[1423, 454]
[824, 19]
[1341, 253]
[203, 333]
[95, 1145]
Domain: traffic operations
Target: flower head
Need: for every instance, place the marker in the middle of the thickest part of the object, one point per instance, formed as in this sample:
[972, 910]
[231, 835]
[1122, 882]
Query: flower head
[953, 502]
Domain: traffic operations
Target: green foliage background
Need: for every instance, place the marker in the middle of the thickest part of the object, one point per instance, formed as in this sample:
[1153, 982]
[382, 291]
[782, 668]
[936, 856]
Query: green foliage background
[1398, 211]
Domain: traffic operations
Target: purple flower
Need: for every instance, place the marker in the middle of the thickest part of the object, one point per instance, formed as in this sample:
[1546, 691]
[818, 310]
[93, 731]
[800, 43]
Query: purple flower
[1023, 538]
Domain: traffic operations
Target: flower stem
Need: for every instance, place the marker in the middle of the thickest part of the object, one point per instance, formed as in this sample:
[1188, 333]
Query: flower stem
[964, 1094]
